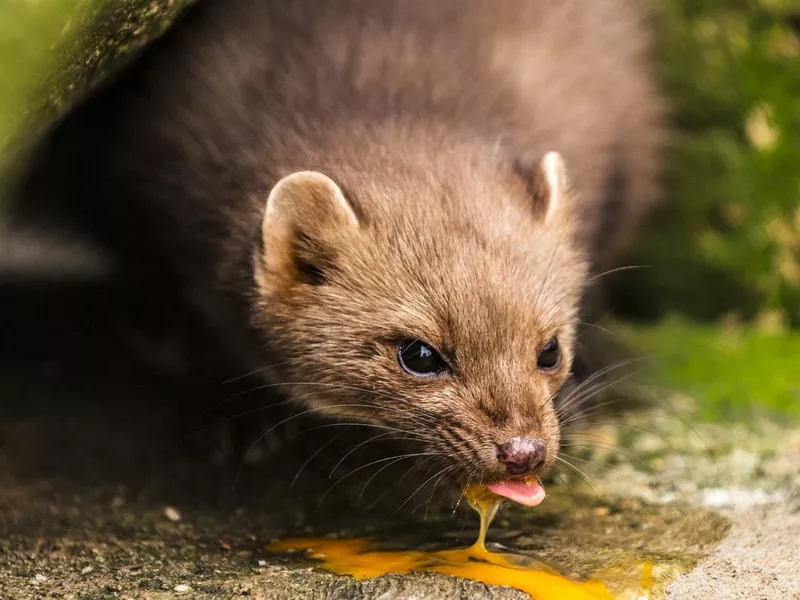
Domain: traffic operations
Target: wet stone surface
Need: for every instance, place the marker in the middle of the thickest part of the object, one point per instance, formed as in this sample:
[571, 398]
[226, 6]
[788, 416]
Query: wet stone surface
[102, 495]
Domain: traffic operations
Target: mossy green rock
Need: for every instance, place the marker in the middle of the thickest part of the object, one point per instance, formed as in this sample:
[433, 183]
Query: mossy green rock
[53, 52]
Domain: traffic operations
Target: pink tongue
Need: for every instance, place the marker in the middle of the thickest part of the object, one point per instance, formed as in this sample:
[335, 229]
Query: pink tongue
[523, 492]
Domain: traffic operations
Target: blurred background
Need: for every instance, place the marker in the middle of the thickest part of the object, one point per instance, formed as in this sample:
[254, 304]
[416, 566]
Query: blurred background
[720, 296]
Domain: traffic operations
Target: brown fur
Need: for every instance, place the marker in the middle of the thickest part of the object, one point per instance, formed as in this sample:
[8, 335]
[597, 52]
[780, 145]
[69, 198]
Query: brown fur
[431, 117]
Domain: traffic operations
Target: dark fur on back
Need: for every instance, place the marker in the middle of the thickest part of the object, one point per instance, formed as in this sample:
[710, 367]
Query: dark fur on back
[431, 117]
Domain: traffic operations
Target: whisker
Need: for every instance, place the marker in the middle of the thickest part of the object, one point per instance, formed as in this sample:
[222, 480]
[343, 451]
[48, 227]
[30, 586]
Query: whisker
[586, 413]
[374, 462]
[581, 473]
[596, 326]
[463, 490]
[613, 448]
[662, 437]
[408, 471]
[372, 477]
[356, 447]
[567, 484]
[567, 295]
[617, 270]
[569, 401]
[314, 455]
[437, 476]
[414, 493]
[433, 491]
[592, 393]
[253, 372]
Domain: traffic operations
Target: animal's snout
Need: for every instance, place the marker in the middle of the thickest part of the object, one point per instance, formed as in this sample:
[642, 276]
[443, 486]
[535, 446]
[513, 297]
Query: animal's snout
[521, 456]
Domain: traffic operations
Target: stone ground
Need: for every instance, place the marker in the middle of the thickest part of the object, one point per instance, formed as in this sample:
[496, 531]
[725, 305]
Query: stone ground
[101, 495]
[759, 559]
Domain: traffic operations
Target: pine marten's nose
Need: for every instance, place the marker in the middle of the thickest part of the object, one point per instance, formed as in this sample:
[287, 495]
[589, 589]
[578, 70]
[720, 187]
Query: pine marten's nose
[521, 456]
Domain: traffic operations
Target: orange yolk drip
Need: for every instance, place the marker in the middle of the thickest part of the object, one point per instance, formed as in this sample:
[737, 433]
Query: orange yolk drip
[359, 558]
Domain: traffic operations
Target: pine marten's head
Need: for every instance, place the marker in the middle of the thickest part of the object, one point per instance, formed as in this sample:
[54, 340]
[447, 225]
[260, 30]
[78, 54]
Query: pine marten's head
[440, 305]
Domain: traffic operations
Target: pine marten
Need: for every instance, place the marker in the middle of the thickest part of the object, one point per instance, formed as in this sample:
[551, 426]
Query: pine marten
[390, 209]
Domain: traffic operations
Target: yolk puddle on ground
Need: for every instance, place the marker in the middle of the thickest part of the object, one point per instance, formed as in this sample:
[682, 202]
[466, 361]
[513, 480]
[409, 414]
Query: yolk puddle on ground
[360, 559]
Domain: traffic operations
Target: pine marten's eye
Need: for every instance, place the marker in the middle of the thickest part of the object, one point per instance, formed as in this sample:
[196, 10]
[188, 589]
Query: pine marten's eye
[550, 356]
[420, 359]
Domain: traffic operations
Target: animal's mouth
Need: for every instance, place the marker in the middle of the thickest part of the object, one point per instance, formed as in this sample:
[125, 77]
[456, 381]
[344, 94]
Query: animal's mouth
[527, 491]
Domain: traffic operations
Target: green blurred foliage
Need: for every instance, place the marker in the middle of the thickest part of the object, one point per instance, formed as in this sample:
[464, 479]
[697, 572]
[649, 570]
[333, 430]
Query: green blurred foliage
[728, 238]
[732, 372]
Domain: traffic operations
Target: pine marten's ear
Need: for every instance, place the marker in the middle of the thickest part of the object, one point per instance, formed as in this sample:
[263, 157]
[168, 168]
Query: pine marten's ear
[550, 186]
[307, 218]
